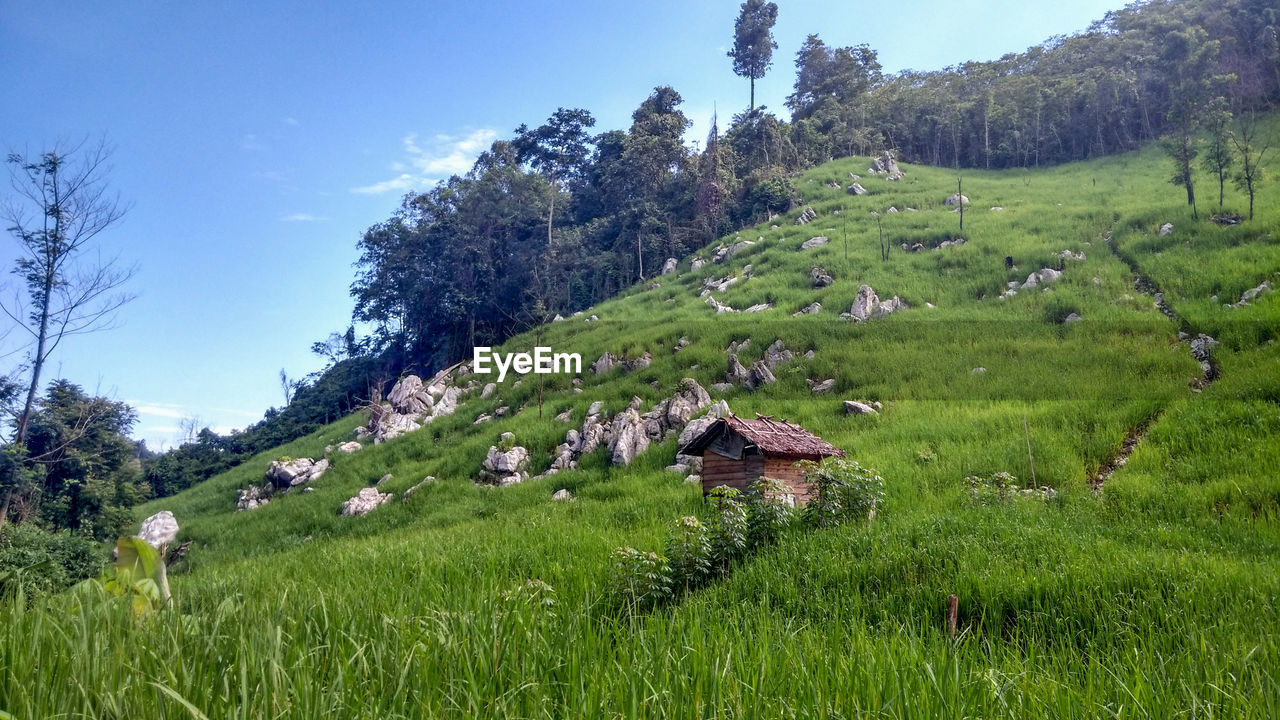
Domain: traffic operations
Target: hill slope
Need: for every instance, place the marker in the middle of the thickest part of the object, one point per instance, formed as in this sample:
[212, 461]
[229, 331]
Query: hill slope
[1150, 597]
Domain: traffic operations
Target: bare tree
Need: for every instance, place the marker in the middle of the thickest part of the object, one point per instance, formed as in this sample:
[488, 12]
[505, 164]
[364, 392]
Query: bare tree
[60, 205]
[1252, 142]
[188, 429]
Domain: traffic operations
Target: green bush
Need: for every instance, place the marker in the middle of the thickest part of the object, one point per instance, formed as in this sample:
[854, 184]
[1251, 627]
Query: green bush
[768, 513]
[689, 552]
[727, 524]
[845, 491]
[640, 579]
[42, 562]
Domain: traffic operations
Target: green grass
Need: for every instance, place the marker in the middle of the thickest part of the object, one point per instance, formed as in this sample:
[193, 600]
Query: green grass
[1153, 598]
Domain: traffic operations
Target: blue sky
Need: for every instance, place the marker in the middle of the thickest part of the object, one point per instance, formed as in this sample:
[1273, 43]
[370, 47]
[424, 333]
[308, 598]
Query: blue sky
[256, 141]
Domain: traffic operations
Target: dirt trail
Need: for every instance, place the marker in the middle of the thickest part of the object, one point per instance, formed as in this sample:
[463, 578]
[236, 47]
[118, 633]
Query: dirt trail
[1199, 345]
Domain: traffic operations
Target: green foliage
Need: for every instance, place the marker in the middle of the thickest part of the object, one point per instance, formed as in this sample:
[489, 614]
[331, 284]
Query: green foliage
[753, 45]
[689, 553]
[727, 526]
[843, 490]
[768, 512]
[138, 575]
[42, 562]
[999, 488]
[641, 579]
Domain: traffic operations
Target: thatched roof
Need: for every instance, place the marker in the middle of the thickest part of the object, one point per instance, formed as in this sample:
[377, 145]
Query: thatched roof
[778, 438]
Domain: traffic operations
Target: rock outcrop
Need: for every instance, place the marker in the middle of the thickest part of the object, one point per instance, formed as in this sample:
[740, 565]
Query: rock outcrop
[669, 267]
[290, 473]
[868, 306]
[811, 309]
[857, 189]
[411, 404]
[807, 216]
[505, 467]
[820, 277]
[887, 166]
[814, 243]
[364, 502]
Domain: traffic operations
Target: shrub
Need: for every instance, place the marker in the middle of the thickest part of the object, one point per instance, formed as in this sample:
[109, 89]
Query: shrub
[44, 562]
[727, 525]
[844, 490]
[640, 579]
[768, 512]
[689, 553]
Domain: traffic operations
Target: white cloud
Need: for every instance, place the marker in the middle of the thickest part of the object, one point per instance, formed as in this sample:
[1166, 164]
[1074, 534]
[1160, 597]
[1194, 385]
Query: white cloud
[290, 121]
[159, 411]
[302, 217]
[445, 155]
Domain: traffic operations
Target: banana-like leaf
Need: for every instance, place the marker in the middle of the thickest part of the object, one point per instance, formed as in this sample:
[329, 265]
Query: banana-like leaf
[141, 570]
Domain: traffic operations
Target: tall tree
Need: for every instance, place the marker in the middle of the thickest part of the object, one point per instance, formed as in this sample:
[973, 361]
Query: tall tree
[1218, 156]
[558, 149]
[61, 205]
[753, 43]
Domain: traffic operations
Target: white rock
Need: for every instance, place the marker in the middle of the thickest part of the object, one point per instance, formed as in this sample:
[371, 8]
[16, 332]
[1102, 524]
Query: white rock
[364, 501]
[159, 530]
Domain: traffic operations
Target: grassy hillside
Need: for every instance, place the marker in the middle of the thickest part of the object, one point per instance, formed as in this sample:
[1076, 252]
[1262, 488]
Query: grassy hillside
[1153, 597]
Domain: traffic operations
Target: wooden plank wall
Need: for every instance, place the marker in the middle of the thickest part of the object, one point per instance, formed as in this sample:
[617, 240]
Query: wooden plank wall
[718, 470]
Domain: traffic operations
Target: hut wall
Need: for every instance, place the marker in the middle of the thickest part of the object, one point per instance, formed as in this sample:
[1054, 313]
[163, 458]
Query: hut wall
[785, 469]
[719, 470]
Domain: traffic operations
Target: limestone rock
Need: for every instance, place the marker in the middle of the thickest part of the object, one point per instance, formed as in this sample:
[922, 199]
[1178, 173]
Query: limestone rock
[604, 364]
[777, 354]
[822, 388]
[814, 242]
[807, 216]
[253, 497]
[857, 189]
[854, 407]
[159, 530]
[669, 266]
[820, 277]
[812, 309]
[1166, 229]
[364, 502]
[562, 495]
[956, 199]
[761, 307]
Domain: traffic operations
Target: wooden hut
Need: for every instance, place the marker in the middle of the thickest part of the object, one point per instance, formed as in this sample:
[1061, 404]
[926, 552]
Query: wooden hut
[736, 452]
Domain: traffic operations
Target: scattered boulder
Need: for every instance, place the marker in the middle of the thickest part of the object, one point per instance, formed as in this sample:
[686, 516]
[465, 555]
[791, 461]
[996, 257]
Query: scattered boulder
[997, 209]
[159, 530]
[855, 407]
[820, 277]
[978, 371]
[1069, 255]
[777, 354]
[638, 363]
[253, 497]
[364, 502]
[720, 307]
[409, 493]
[956, 199]
[760, 307]
[886, 165]
[566, 416]
[1166, 229]
[505, 467]
[1202, 350]
[1044, 276]
[867, 305]
[291, 473]
[697, 262]
[562, 495]
[595, 408]
[699, 425]
[822, 388]
[807, 216]
[669, 266]
[857, 189]
[604, 364]
[681, 344]
[892, 210]
[811, 309]
[350, 447]
[760, 375]
[814, 242]
[728, 251]
[1072, 319]
[409, 397]
[558, 318]
[488, 390]
[737, 374]
[385, 478]
[721, 284]
[1252, 294]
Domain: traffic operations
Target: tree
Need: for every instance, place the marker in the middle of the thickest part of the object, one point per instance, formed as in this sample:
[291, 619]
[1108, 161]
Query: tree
[87, 477]
[1218, 157]
[558, 149]
[753, 43]
[61, 205]
[830, 75]
[1252, 145]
